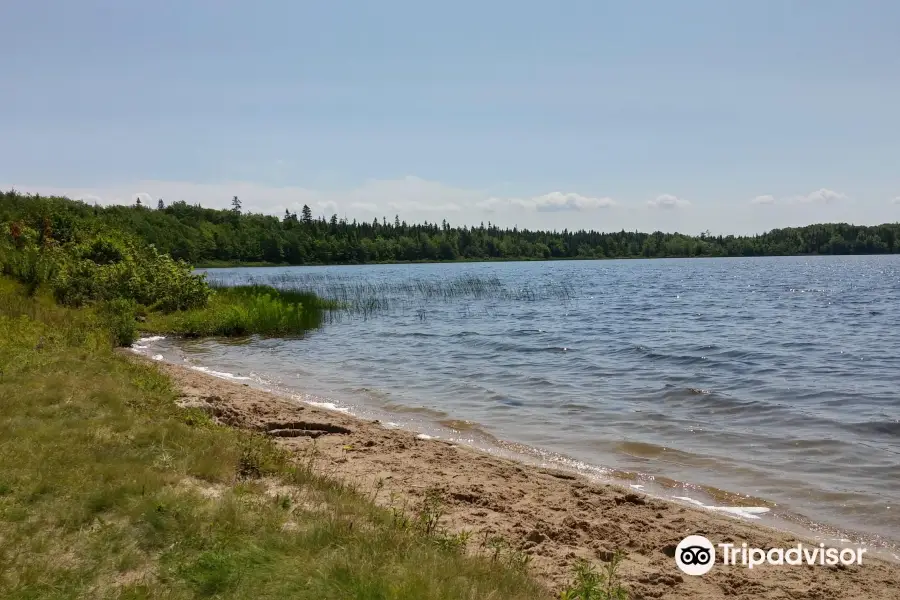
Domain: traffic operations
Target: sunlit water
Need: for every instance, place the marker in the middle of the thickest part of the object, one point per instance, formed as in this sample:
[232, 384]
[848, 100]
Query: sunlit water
[774, 378]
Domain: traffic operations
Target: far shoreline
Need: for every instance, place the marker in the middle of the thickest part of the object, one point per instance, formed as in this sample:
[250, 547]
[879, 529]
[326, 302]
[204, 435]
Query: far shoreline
[256, 265]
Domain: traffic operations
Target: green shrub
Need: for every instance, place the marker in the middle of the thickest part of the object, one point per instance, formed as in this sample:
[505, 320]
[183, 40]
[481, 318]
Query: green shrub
[100, 267]
[124, 277]
[118, 316]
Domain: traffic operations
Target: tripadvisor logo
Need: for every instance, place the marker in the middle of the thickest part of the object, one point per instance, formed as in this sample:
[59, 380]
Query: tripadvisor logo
[696, 555]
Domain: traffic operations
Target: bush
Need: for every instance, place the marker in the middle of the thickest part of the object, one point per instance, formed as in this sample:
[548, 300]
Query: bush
[118, 316]
[101, 267]
[125, 270]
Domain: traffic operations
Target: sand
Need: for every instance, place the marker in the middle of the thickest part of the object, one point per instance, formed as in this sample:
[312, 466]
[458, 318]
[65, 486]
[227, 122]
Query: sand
[555, 517]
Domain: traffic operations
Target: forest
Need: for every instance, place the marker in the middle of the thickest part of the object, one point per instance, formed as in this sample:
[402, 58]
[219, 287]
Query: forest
[231, 236]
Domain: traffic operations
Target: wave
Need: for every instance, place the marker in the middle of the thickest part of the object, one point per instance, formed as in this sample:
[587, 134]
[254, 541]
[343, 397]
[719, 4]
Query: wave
[152, 338]
[327, 406]
[885, 427]
[395, 407]
[220, 374]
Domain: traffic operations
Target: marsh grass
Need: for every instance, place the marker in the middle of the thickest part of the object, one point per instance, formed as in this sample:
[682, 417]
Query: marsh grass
[354, 297]
[244, 310]
[109, 490]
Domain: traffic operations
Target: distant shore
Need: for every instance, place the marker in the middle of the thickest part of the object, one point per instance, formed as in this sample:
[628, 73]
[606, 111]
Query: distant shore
[236, 264]
[242, 264]
[554, 517]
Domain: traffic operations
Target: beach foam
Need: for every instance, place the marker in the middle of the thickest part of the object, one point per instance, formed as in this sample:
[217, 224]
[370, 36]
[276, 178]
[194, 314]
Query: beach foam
[329, 406]
[747, 512]
[221, 374]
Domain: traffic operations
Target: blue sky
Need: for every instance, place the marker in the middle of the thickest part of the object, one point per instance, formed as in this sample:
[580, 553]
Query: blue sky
[691, 115]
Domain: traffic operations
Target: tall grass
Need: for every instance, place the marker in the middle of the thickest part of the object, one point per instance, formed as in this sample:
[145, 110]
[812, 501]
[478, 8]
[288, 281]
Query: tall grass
[370, 297]
[244, 310]
[109, 490]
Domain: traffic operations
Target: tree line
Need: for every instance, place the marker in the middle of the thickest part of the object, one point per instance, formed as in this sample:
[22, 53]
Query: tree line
[205, 235]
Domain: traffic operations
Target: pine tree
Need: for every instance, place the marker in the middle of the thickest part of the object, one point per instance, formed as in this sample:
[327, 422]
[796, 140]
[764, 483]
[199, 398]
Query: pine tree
[236, 205]
[160, 205]
[137, 202]
[307, 214]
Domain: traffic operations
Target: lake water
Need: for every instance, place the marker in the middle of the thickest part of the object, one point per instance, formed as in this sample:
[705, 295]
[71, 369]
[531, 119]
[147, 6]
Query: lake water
[775, 379]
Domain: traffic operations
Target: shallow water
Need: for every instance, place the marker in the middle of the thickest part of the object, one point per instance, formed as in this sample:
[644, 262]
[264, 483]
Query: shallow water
[772, 378]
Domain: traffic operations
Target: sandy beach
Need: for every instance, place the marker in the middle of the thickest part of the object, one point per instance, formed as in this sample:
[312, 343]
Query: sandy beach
[555, 517]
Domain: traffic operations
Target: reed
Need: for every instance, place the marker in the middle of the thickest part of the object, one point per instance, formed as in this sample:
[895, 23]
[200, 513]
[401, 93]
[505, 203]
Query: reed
[353, 296]
[244, 310]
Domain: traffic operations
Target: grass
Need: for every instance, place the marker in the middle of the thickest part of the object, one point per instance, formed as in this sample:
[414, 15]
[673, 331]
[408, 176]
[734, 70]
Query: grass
[109, 490]
[352, 295]
[590, 584]
[244, 310]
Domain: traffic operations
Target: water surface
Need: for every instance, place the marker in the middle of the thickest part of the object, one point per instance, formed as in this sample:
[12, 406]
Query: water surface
[772, 378]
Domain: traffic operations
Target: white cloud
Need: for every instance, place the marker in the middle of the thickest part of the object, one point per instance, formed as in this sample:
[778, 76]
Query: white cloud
[668, 202]
[412, 193]
[552, 202]
[896, 200]
[821, 196]
[421, 206]
[559, 201]
[413, 198]
[491, 204]
[329, 207]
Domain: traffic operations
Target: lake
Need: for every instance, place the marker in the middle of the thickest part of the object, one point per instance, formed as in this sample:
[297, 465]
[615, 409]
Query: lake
[758, 382]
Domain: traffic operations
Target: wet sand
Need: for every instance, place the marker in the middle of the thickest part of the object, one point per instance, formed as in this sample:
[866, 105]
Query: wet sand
[556, 517]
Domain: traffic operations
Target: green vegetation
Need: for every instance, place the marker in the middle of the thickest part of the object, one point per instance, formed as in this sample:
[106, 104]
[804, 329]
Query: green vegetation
[82, 262]
[207, 236]
[242, 310]
[589, 584]
[109, 490]
[355, 297]
[85, 266]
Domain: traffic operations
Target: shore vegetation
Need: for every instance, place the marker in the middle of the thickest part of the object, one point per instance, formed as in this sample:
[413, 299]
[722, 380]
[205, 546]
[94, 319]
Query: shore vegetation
[221, 237]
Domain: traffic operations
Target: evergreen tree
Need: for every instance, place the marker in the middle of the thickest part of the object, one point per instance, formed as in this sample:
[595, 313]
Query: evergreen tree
[160, 205]
[236, 205]
[198, 235]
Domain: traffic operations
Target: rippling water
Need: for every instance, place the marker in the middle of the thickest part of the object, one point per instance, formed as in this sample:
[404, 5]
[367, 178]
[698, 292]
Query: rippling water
[773, 378]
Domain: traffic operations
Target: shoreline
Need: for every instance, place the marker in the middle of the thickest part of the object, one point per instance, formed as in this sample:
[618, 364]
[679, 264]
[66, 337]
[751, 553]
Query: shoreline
[258, 265]
[703, 494]
[556, 517]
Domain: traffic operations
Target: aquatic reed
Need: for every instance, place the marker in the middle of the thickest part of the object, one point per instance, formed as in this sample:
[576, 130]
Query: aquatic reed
[244, 310]
[353, 296]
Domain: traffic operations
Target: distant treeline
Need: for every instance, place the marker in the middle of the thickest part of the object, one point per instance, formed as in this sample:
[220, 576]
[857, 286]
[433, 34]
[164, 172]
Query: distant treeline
[203, 235]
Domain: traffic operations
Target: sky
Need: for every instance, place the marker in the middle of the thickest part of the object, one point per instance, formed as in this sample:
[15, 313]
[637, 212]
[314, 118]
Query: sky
[732, 117]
